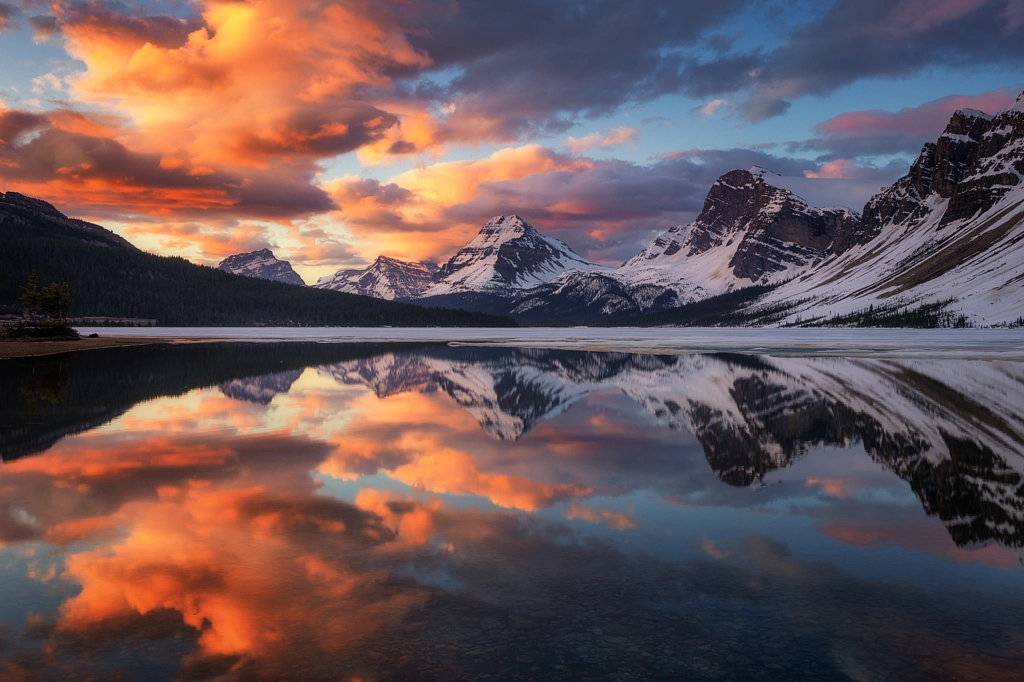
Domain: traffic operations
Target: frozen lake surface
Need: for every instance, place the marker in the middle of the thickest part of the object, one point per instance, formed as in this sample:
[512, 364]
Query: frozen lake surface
[959, 343]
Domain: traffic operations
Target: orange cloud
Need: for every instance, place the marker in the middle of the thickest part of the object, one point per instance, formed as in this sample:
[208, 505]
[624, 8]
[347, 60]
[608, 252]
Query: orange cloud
[412, 522]
[590, 515]
[263, 78]
[836, 487]
[840, 169]
[409, 216]
[219, 558]
[407, 437]
[610, 138]
[452, 182]
[930, 538]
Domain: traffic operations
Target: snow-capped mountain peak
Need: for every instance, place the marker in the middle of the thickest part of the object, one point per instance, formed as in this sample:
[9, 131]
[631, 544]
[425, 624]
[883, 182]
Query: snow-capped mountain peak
[749, 232]
[263, 265]
[507, 255]
[386, 277]
[1018, 105]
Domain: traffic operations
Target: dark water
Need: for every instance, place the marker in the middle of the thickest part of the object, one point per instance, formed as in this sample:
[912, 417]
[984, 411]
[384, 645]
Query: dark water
[249, 512]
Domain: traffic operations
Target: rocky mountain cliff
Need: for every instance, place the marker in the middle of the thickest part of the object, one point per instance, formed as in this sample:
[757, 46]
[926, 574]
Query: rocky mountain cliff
[387, 278]
[749, 232]
[263, 265]
[949, 234]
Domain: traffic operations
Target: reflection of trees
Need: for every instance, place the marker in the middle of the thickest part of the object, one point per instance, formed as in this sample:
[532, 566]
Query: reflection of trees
[44, 399]
[48, 383]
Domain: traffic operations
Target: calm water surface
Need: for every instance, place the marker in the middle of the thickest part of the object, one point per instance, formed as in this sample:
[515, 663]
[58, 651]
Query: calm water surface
[345, 512]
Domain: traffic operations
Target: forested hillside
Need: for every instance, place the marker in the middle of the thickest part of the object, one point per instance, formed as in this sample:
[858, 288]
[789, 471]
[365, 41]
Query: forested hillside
[109, 277]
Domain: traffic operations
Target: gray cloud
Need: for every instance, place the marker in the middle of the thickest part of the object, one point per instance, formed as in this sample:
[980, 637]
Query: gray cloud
[859, 39]
[532, 66]
[32, 150]
[8, 13]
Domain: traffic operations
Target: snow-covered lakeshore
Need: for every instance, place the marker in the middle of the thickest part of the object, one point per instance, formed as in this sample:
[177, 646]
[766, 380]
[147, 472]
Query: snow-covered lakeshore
[1006, 344]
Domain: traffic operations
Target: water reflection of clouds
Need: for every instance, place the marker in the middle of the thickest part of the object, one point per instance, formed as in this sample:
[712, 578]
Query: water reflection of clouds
[201, 520]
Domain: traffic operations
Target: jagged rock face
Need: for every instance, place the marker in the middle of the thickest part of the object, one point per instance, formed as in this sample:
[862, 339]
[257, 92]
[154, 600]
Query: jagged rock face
[262, 265]
[949, 234]
[18, 209]
[779, 229]
[975, 161]
[387, 278]
[507, 256]
[749, 232]
[993, 163]
[902, 202]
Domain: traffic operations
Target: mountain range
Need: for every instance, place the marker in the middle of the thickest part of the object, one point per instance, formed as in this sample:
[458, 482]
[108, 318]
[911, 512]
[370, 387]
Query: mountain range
[109, 277]
[942, 246]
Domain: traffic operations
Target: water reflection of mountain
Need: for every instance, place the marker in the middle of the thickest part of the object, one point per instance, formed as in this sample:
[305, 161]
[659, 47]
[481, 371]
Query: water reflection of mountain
[45, 399]
[261, 389]
[953, 430]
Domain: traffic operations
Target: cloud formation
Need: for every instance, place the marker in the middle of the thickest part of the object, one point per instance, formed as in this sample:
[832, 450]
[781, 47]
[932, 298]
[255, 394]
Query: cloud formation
[196, 120]
[859, 39]
[876, 132]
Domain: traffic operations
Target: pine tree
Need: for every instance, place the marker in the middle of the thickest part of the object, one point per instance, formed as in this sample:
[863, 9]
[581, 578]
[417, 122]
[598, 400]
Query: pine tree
[30, 296]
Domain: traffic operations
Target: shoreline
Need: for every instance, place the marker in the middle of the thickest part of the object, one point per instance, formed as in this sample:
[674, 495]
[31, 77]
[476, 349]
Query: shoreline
[880, 344]
[35, 349]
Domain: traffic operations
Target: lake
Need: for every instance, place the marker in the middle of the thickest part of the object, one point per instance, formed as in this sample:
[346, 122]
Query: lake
[420, 511]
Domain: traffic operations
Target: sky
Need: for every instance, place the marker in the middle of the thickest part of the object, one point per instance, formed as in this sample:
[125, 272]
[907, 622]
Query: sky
[336, 131]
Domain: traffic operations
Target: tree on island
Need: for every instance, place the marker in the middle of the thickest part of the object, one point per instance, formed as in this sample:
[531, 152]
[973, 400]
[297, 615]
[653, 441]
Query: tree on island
[44, 312]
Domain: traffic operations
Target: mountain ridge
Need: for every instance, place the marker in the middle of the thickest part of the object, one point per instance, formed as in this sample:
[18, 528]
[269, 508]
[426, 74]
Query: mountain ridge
[387, 278]
[261, 264]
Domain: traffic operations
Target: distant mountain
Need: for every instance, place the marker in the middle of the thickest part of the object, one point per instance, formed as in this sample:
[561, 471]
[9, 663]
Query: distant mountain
[260, 389]
[387, 278]
[263, 265]
[750, 233]
[507, 256]
[581, 297]
[111, 278]
[942, 246]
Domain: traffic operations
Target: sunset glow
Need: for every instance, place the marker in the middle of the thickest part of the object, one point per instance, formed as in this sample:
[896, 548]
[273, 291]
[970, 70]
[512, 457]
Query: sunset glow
[334, 132]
